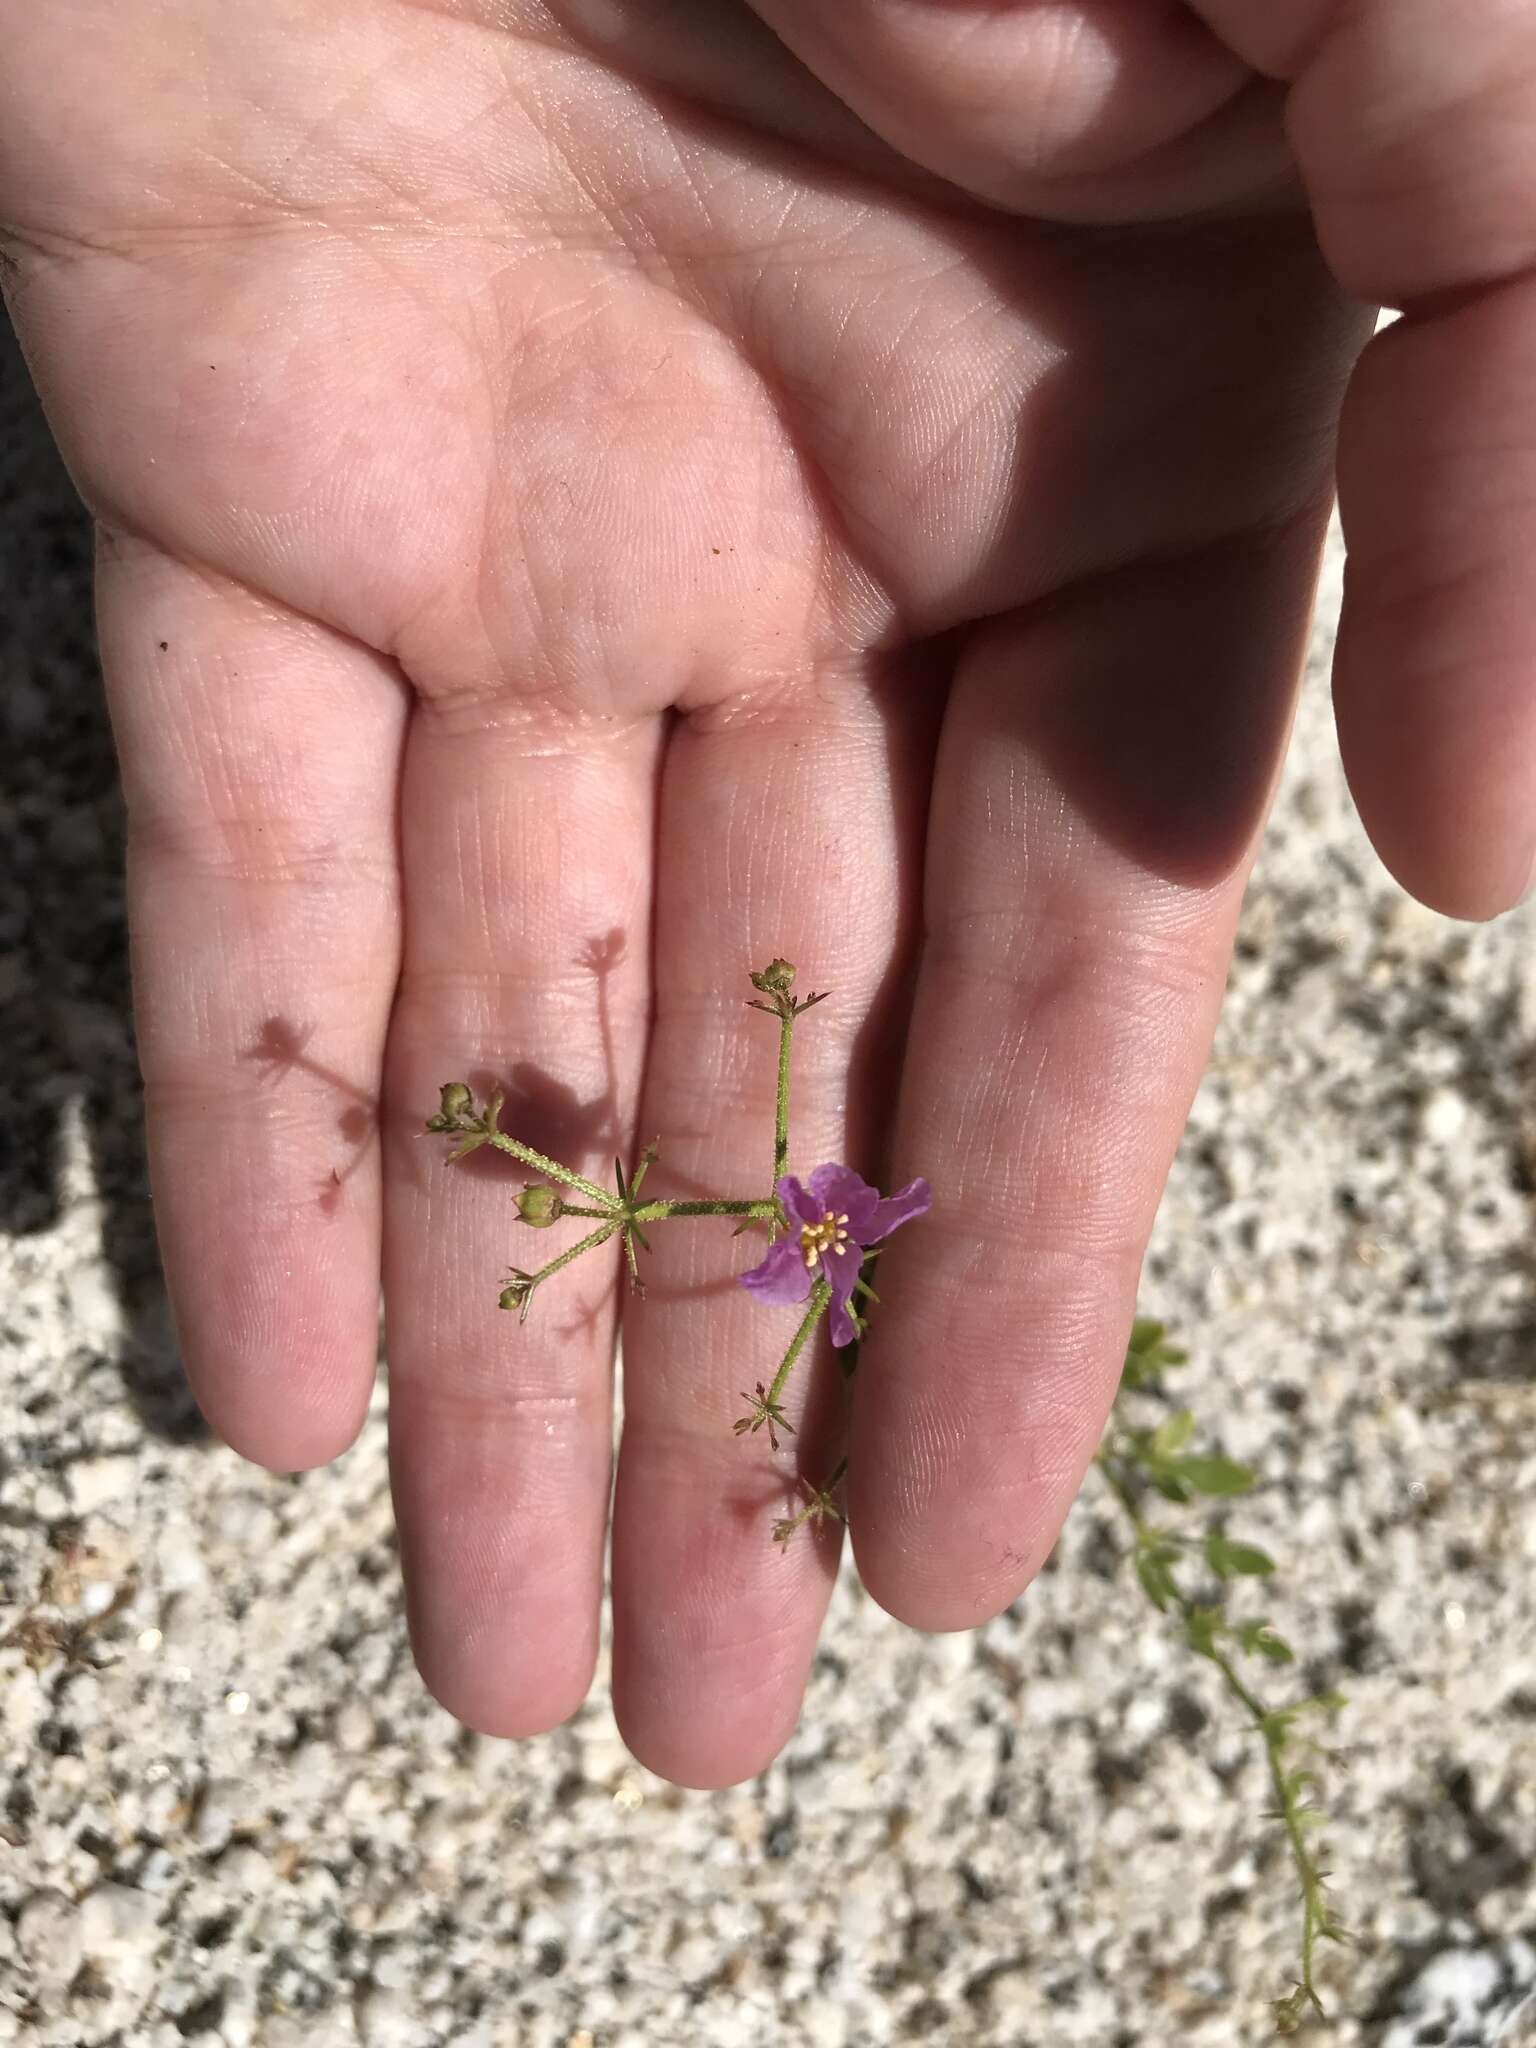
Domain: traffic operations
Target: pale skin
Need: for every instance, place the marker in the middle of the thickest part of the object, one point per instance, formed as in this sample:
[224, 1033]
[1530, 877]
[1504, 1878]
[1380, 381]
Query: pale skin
[833, 482]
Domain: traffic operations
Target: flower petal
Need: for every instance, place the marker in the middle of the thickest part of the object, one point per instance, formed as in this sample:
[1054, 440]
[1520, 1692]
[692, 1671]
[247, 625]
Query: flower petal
[840, 1270]
[799, 1205]
[915, 1199]
[843, 1192]
[783, 1277]
[844, 1329]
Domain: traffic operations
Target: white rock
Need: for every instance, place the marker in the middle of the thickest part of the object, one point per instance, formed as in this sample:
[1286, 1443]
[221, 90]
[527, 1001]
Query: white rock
[224, 1805]
[237, 2022]
[825, 2023]
[180, 1564]
[83, 1699]
[95, 1306]
[245, 1523]
[1144, 1716]
[184, 1621]
[1046, 1701]
[93, 1482]
[285, 2030]
[440, 1834]
[1443, 1115]
[385, 2021]
[97, 1597]
[353, 1728]
[50, 1937]
[160, 1872]
[160, 1805]
[393, 1969]
[24, 1703]
[245, 1869]
[116, 1919]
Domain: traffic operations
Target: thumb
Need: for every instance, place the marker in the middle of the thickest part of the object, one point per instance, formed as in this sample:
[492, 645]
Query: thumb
[1411, 123]
[1075, 110]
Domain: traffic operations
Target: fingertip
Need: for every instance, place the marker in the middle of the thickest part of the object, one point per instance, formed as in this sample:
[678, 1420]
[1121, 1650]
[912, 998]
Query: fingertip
[714, 1623]
[943, 1590]
[502, 1575]
[1441, 790]
[282, 1453]
[1468, 894]
[509, 1696]
[282, 1420]
[709, 1758]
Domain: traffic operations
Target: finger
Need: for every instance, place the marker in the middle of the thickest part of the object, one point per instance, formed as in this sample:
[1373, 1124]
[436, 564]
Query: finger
[1100, 781]
[790, 831]
[1436, 660]
[1046, 108]
[1411, 125]
[260, 755]
[526, 846]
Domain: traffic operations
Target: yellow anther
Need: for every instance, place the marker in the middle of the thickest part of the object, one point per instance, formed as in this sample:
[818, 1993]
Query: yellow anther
[829, 1235]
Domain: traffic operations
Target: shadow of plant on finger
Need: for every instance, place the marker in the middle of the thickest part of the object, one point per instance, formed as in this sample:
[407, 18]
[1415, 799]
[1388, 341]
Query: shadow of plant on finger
[280, 1049]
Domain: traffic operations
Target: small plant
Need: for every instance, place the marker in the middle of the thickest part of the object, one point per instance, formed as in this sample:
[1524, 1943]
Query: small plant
[825, 1233]
[1136, 1461]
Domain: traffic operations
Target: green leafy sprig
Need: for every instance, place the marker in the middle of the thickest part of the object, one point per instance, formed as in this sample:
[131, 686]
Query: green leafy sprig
[1138, 1460]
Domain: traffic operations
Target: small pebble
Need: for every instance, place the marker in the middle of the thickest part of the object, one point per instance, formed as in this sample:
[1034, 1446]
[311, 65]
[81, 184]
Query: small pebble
[1443, 1116]
[96, 1315]
[245, 1869]
[51, 1938]
[353, 1728]
[116, 1918]
[97, 1597]
[385, 2021]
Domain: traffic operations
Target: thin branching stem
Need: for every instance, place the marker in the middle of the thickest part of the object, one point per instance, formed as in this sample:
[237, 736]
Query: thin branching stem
[781, 1100]
[1271, 1728]
[656, 1212]
[587, 1244]
[821, 1296]
[516, 1149]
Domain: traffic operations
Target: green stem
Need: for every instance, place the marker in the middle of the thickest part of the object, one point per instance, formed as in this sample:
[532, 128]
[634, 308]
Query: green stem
[655, 1212]
[588, 1244]
[517, 1150]
[821, 1296]
[781, 1104]
[647, 1160]
[1314, 1910]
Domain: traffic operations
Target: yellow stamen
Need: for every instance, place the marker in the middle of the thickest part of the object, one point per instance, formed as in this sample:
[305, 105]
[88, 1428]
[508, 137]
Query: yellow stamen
[829, 1235]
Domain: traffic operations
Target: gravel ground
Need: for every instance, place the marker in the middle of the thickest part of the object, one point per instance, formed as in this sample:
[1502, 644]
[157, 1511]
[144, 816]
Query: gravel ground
[231, 1815]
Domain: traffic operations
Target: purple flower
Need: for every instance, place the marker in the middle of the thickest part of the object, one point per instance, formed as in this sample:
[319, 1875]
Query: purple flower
[833, 1218]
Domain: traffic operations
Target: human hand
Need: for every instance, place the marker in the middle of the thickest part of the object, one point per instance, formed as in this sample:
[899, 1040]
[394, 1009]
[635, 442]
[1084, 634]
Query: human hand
[590, 500]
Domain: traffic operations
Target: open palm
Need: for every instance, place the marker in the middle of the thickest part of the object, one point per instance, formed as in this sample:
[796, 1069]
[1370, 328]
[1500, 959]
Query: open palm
[584, 511]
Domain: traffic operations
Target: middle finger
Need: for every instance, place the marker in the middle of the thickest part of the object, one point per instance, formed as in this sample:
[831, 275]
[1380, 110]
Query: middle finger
[790, 829]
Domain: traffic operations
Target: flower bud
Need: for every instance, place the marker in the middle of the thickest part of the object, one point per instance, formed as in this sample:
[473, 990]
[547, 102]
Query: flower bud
[456, 1100]
[540, 1205]
[518, 1294]
[776, 979]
